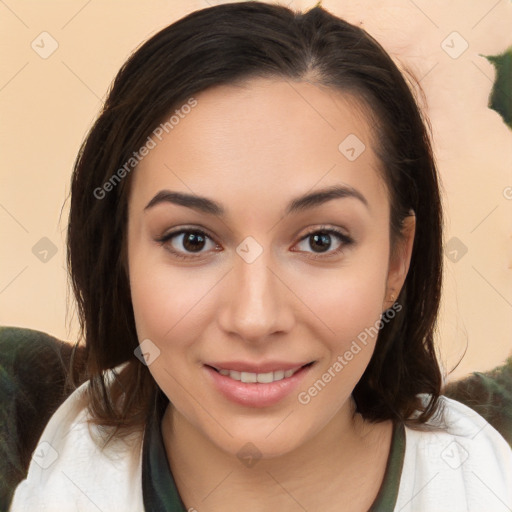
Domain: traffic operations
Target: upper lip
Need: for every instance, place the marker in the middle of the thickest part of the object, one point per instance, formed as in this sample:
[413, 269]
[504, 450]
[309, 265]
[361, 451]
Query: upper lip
[267, 367]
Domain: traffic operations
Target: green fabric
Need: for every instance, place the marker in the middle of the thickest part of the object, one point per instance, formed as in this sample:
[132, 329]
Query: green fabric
[388, 493]
[160, 493]
[32, 386]
[489, 394]
[501, 95]
[159, 490]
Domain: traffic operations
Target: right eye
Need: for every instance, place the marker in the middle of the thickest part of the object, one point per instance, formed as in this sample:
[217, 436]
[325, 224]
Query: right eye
[185, 242]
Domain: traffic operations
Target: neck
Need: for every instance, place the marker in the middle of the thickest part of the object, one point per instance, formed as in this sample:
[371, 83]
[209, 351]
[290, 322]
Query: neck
[346, 459]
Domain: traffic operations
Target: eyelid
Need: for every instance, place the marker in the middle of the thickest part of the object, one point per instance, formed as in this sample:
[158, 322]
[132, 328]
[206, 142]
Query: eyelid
[325, 228]
[184, 229]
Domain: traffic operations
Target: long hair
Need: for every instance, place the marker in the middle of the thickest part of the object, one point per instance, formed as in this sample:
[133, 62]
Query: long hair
[226, 44]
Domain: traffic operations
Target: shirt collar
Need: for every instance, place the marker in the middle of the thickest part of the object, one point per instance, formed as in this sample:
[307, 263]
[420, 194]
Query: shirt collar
[160, 493]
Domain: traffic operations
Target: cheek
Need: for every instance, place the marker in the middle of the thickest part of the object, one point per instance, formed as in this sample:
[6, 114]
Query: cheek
[349, 300]
[350, 306]
[162, 301]
[171, 304]
[351, 309]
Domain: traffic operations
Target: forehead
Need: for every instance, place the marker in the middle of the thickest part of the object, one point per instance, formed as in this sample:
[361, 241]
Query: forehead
[263, 139]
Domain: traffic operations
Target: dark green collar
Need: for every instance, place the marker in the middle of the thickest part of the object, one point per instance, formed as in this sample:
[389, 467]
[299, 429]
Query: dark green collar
[159, 492]
[161, 495]
[388, 492]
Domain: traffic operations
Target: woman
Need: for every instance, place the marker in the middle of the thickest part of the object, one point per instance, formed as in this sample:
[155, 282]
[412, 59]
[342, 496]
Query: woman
[255, 247]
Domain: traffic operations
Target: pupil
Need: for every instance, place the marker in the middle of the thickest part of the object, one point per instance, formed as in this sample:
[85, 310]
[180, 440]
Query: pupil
[194, 241]
[324, 239]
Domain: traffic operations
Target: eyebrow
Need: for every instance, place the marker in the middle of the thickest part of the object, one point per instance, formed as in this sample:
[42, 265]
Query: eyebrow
[299, 204]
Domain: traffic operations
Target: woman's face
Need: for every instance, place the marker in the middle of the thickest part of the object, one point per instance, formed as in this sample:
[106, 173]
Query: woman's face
[250, 276]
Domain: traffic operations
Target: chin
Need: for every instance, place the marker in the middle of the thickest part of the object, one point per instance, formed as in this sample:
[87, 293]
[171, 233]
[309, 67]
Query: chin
[251, 449]
[259, 440]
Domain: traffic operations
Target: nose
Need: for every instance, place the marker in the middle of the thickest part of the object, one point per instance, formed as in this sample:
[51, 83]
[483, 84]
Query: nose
[255, 302]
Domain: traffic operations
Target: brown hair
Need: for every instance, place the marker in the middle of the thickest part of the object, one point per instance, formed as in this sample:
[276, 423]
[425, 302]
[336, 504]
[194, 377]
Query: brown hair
[222, 45]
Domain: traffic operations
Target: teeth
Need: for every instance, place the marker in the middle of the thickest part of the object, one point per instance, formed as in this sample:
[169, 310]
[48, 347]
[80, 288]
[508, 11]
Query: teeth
[264, 378]
[249, 377]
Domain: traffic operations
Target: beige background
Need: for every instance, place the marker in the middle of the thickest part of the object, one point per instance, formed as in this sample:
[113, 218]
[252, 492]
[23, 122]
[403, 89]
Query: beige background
[48, 104]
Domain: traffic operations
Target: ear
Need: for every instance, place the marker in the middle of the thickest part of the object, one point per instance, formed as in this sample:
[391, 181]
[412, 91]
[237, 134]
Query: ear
[399, 260]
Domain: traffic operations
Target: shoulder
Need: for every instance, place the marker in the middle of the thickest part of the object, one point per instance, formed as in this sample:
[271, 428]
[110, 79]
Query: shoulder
[461, 463]
[70, 465]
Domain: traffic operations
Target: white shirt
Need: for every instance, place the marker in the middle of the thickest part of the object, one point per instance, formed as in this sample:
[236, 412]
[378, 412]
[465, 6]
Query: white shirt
[467, 467]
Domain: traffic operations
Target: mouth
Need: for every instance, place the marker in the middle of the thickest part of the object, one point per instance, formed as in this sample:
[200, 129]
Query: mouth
[261, 377]
[259, 389]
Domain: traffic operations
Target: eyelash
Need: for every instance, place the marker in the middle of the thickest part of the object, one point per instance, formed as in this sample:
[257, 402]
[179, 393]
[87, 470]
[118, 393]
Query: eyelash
[342, 237]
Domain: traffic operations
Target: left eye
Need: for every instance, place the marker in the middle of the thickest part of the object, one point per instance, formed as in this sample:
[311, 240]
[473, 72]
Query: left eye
[320, 241]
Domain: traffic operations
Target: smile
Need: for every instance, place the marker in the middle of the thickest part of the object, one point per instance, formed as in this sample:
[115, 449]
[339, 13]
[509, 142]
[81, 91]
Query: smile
[256, 389]
[264, 378]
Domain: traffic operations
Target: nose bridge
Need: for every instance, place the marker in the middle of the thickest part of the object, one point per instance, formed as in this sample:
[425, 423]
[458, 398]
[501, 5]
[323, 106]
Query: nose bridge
[255, 306]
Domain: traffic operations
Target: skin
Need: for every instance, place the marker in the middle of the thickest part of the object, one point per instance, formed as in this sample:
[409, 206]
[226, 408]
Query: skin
[253, 148]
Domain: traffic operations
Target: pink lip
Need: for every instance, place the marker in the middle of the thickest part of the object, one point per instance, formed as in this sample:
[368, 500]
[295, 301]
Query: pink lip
[269, 366]
[256, 394]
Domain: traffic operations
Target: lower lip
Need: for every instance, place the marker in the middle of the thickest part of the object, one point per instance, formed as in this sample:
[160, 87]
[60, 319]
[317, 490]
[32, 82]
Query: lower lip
[256, 394]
